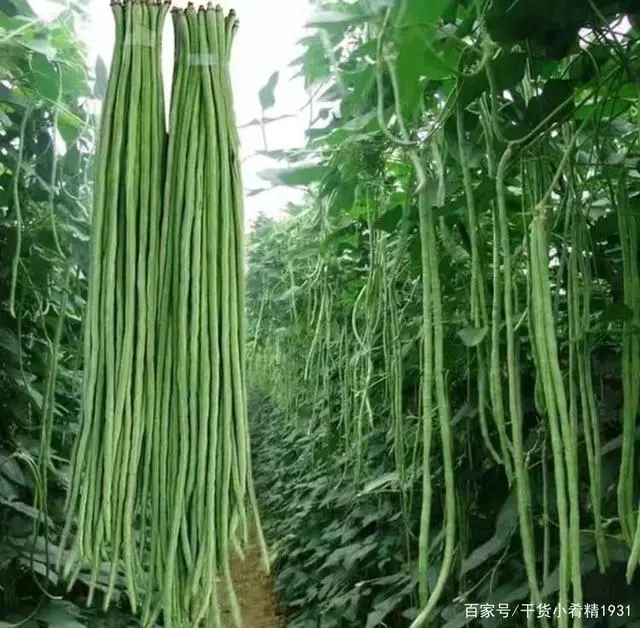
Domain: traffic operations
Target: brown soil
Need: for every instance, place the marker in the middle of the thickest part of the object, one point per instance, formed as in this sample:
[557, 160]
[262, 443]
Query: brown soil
[255, 594]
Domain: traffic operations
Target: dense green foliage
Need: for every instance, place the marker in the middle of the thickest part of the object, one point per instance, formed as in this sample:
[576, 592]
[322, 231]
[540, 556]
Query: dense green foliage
[445, 348]
[46, 147]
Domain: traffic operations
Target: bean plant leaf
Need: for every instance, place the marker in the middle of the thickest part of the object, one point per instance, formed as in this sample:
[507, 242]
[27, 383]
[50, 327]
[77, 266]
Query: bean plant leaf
[9, 342]
[58, 614]
[324, 19]
[10, 468]
[416, 51]
[508, 70]
[267, 93]
[298, 176]
[102, 78]
[39, 44]
[388, 479]
[25, 509]
[506, 525]
[553, 105]
[472, 336]
[617, 312]
[256, 122]
[14, 8]
[7, 489]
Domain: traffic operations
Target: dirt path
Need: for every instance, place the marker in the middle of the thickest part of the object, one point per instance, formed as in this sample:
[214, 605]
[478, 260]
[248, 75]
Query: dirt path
[255, 594]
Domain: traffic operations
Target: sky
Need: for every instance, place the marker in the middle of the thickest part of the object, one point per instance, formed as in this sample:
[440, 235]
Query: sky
[266, 41]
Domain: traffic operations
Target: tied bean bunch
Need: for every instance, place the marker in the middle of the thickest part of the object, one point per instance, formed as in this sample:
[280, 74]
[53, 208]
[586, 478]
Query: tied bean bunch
[161, 486]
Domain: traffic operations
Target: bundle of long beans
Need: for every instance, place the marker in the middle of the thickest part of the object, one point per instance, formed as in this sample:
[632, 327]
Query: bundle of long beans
[161, 481]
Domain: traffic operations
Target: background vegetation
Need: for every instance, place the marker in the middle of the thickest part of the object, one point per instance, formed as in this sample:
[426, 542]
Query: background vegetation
[336, 305]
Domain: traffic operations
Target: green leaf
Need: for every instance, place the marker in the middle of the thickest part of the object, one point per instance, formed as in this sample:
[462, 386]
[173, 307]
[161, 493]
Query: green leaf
[604, 227]
[257, 191]
[46, 75]
[10, 468]
[41, 567]
[39, 44]
[553, 105]
[508, 69]
[588, 564]
[389, 221]
[352, 558]
[266, 94]
[424, 15]
[324, 19]
[361, 122]
[616, 443]
[410, 613]
[256, 122]
[617, 312]
[375, 617]
[472, 336]
[298, 176]
[102, 79]
[60, 614]
[314, 64]
[506, 525]
[9, 341]
[395, 597]
[13, 8]
[9, 95]
[36, 397]
[466, 411]
[415, 43]
[7, 490]
[69, 125]
[507, 21]
[376, 484]
[25, 509]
